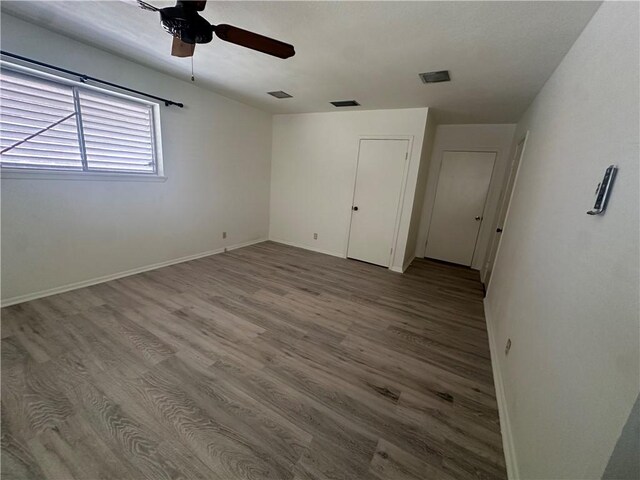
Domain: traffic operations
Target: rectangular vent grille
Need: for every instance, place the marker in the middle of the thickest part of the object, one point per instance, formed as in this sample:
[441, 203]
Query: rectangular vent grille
[345, 103]
[435, 77]
[280, 94]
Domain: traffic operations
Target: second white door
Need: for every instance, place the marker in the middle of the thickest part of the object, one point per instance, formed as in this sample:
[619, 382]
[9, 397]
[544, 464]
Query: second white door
[376, 199]
[502, 213]
[461, 195]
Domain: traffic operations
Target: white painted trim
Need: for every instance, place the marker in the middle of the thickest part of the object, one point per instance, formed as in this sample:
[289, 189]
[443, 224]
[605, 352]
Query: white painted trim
[248, 243]
[306, 247]
[506, 215]
[408, 263]
[42, 174]
[505, 425]
[333, 254]
[404, 267]
[114, 276]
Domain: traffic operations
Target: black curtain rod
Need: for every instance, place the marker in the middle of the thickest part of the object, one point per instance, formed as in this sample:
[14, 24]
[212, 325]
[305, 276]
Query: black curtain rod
[83, 78]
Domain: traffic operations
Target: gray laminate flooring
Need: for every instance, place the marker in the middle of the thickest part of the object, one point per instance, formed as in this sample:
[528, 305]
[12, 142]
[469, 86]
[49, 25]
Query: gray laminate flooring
[267, 362]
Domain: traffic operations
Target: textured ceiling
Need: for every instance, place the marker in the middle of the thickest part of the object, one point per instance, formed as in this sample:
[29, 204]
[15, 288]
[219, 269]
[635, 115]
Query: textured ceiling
[499, 53]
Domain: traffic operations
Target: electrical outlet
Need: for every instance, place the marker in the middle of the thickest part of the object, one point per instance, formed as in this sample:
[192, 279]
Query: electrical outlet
[508, 347]
[315, 236]
[224, 234]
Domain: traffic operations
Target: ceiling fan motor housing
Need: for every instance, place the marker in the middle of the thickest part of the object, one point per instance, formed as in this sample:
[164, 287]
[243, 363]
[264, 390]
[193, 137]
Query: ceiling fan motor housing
[186, 24]
[188, 28]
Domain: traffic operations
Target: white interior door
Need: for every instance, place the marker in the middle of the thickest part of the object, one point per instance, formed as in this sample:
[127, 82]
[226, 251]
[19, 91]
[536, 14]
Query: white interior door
[376, 199]
[461, 195]
[504, 208]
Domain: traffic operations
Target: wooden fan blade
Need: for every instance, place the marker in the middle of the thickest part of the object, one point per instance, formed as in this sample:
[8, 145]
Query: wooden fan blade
[182, 49]
[254, 41]
[146, 6]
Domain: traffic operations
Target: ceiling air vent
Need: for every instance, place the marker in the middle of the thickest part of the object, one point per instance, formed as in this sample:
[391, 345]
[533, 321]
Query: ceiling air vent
[345, 103]
[280, 94]
[435, 77]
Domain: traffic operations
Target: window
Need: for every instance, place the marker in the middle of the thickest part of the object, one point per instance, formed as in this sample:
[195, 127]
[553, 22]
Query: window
[60, 126]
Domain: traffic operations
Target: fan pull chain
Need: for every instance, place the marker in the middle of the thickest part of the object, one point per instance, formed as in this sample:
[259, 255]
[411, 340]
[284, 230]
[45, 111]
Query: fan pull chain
[193, 79]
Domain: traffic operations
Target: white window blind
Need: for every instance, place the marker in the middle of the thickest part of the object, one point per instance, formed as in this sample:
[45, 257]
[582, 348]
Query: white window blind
[118, 135]
[29, 111]
[55, 126]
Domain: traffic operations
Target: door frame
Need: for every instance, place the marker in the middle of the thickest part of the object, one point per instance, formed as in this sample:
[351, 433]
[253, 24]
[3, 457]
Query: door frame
[403, 188]
[498, 237]
[484, 207]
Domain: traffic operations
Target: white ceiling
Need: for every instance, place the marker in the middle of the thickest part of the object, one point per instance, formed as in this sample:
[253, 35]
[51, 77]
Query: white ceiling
[499, 53]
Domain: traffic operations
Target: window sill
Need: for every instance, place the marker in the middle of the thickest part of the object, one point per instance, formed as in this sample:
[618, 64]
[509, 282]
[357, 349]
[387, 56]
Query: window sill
[20, 174]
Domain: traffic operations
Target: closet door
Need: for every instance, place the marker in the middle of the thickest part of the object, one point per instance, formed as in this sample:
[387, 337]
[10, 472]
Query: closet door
[461, 195]
[376, 199]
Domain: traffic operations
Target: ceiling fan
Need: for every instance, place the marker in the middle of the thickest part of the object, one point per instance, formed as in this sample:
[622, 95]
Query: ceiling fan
[188, 28]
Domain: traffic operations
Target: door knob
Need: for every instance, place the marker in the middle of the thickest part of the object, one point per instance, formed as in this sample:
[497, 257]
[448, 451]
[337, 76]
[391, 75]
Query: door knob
[478, 219]
[355, 209]
[498, 230]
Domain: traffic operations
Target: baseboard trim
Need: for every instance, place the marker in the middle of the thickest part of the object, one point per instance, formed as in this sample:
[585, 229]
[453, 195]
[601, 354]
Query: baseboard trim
[505, 425]
[306, 247]
[404, 267]
[114, 276]
[333, 254]
[407, 264]
[243, 244]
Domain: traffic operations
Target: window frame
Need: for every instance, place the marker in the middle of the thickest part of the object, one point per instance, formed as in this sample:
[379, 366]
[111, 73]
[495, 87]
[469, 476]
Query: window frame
[158, 175]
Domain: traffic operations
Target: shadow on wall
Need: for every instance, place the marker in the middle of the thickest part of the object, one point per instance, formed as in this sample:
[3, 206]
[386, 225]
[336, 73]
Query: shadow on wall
[625, 459]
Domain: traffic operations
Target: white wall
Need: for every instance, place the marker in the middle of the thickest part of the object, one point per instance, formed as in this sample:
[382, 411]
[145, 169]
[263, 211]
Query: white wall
[313, 172]
[478, 138]
[216, 157]
[565, 285]
[421, 186]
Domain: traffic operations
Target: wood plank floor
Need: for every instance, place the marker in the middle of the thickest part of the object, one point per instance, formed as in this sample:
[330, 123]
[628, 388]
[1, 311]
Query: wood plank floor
[268, 362]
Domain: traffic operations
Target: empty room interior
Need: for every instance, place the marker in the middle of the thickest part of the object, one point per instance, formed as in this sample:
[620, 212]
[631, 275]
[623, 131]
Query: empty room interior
[320, 240]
